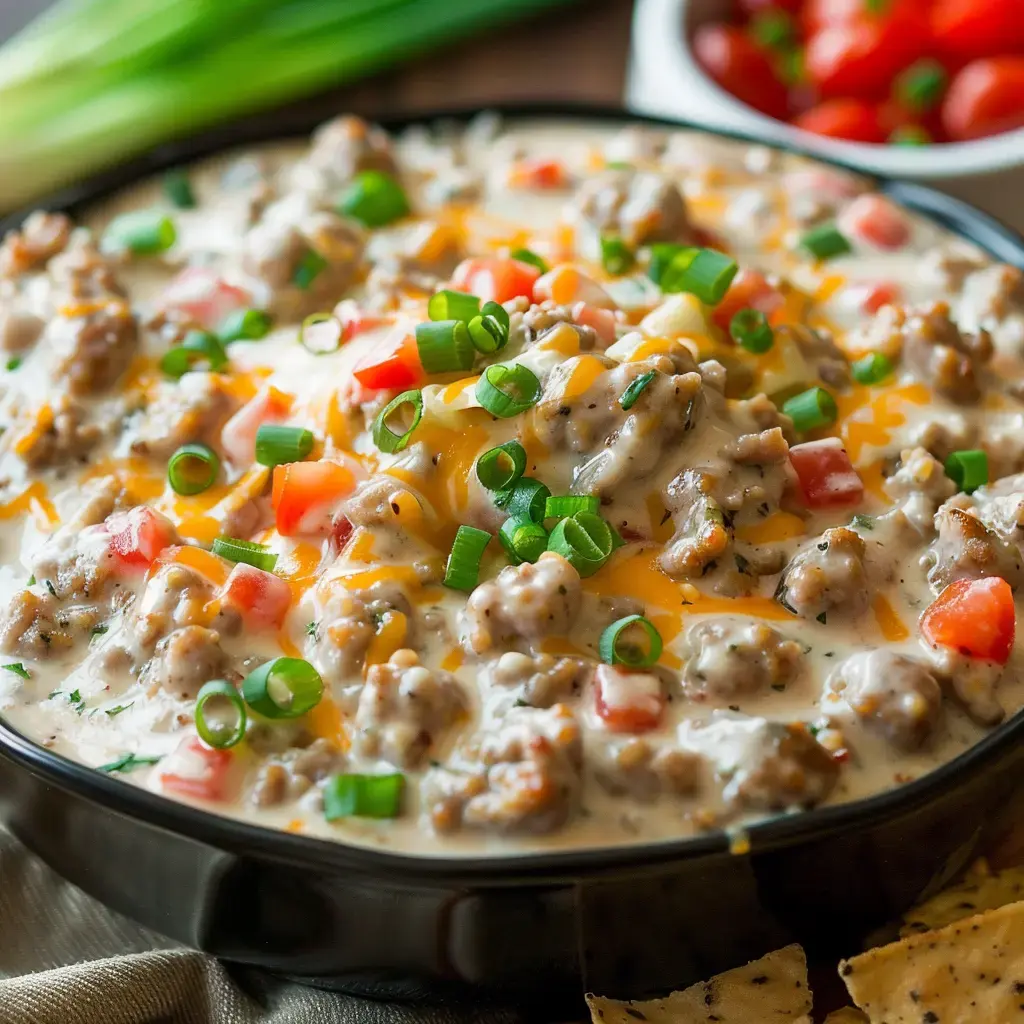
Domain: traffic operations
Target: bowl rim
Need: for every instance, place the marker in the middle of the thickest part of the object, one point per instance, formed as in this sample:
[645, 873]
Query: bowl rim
[661, 40]
[768, 834]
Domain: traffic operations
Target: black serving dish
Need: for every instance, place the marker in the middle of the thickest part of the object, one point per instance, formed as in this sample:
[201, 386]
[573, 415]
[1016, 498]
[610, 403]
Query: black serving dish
[534, 930]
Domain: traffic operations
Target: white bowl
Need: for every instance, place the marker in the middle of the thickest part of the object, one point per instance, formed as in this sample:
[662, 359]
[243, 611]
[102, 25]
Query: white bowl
[664, 79]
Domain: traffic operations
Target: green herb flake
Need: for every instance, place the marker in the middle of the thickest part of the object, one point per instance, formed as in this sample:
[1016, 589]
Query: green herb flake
[115, 711]
[99, 630]
[50, 587]
[313, 630]
[863, 522]
[821, 618]
[128, 763]
[19, 670]
[14, 362]
[31, 581]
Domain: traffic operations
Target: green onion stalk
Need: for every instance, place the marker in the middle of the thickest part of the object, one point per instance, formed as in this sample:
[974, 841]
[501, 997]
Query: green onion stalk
[93, 82]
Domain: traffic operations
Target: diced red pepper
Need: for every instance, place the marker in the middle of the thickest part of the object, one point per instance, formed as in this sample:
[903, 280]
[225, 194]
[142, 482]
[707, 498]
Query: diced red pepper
[826, 476]
[238, 435]
[305, 495]
[198, 771]
[393, 363]
[628, 701]
[494, 279]
[874, 219]
[203, 296]
[261, 598]
[975, 617]
[138, 535]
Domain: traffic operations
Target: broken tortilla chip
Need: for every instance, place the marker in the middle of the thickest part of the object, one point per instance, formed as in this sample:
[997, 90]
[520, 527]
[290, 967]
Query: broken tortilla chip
[969, 972]
[981, 889]
[847, 1015]
[771, 990]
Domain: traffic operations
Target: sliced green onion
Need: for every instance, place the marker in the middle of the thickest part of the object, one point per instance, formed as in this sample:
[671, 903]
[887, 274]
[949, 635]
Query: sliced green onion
[825, 241]
[750, 329]
[245, 325]
[968, 469]
[701, 272]
[196, 347]
[374, 199]
[283, 688]
[178, 189]
[523, 539]
[449, 305]
[489, 331]
[218, 734]
[235, 550]
[636, 388]
[616, 257]
[526, 500]
[192, 469]
[584, 540]
[363, 796]
[143, 232]
[444, 346]
[409, 406]
[529, 256]
[506, 390]
[871, 369]
[773, 29]
[320, 333]
[308, 269]
[277, 444]
[662, 254]
[463, 569]
[811, 409]
[920, 87]
[561, 505]
[910, 135]
[616, 647]
[502, 466]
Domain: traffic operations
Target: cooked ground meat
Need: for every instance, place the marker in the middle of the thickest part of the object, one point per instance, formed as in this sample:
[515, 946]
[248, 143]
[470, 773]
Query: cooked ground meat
[966, 549]
[995, 293]
[185, 659]
[730, 658]
[766, 448]
[827, 576]
[176, 596]
[820, 351]
[971, 682]
[19, 330]
[292, 774]
[59, 432]
[542, 679]
[525, 602]
[81, 273]
[92, 344]
[404, 708]
[894, 695]
[523, 776]
[36, 624]
[347, 145]
[636, 206]
[41, 236]
[643, 770]
[540, 318]
[194, 408]
[701, 537]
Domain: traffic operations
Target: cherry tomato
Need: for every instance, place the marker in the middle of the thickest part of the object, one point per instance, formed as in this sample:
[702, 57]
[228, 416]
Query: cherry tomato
[493, 278]
[198, 771]
[826, 475]
[304, 495]
[968, 29]
[392, 363]
[986, 98]
[873, 219]
[740, 68]
[139, 535]
[628, 701]
[261, 598]
[850, 119]
[976, 617]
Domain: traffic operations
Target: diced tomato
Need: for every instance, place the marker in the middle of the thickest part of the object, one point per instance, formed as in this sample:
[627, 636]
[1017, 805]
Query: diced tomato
[495, 279]
[874, 219]
[861, 57]
[986, 98]
[304, 495]
[238, 435]
[261, 598]
[394, 362]
[537, 173]
[975, 617]
[968, 29]
[198, 771]
[355, 320]
[826, 476]
[850, 119]
[567, 285]
[601, 320]
[740, 68]
[138, 535]
[749, 290]
[203, 296]
[870, 298]
[628, 701]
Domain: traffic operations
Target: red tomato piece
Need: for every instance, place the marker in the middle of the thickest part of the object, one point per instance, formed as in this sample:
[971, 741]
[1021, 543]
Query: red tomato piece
[975, 617]
[198, 771]
[261, 598]
[628, 701]
[392, 363]
[873, 219]
[537, 173]
[740, 68]
[749, 290]
[986, 98]
[204, 297]
[494, 279]
[139, 535]
[967, 29]
[356, 321]
[304, 495]
[238, 435]
[826, 476]
[850, 119]
[870, 298]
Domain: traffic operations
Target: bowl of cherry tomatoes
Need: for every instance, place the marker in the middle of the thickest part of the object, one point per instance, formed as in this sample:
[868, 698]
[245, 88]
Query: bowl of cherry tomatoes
[926, 89]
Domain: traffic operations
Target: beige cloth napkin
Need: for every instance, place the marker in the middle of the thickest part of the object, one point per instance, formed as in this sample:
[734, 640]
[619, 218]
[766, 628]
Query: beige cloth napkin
[67, 959]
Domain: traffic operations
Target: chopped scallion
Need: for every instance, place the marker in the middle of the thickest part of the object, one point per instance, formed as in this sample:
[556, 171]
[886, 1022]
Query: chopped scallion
[245, 325]
[584, 540]
[636, 388]
[142, 232]
[321, 334]
[192, 469]
[212, 728]
[449, 305]
[705, 273]
[178, 188]
[526, 500]
[283, 688]
[529, 256]
[196, 347]
[308, 269]
[277, 444]
[871, 369]
[444, 346]
[631, 641]
[502, 466]
[750, 329]
[403, 412]
[463, 569]
[523, 539]
[811, 409]
[616, 257]
[561, 505]
[489, 331]
[506, 390]
[363, 796]
[374, 199]
[968, 469]
[825, 241]
[234, 550]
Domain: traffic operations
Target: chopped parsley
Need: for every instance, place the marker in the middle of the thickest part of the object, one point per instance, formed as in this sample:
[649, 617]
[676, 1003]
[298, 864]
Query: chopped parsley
[50, 587]
[863, 521]
[111, 712]
[31, 581]
[99, 630]
[128, 763]
[19, 670]
[52, 694]
[821, 618]
[313, 630]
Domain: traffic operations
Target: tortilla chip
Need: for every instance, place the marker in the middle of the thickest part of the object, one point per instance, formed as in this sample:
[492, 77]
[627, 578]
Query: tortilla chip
[970, 972]
[771, 990]
[847, 1015]
[980, 890]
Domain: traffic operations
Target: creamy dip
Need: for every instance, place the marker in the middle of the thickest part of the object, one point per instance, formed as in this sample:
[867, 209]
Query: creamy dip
[830, 606]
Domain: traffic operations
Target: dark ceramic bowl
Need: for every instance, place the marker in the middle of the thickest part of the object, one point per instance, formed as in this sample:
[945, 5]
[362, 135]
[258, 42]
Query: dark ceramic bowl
[530, 930]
